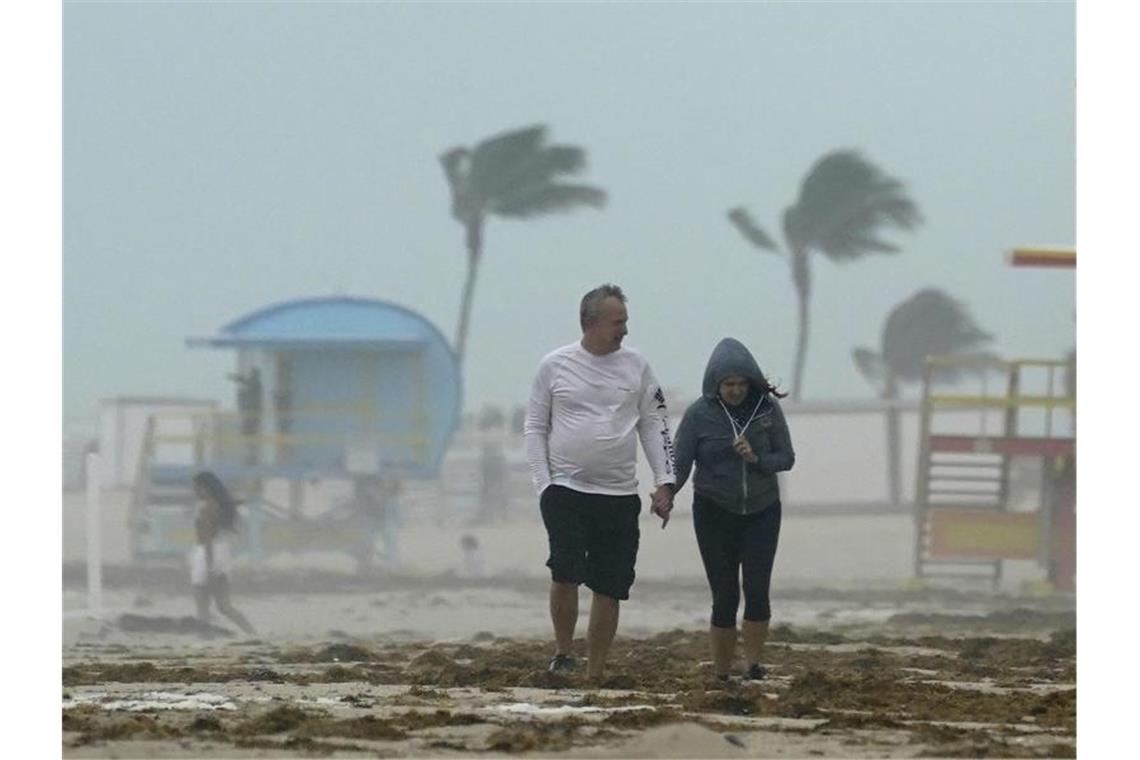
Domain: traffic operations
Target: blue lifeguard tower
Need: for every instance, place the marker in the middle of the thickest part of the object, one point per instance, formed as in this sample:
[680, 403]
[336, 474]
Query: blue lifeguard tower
[329, 387]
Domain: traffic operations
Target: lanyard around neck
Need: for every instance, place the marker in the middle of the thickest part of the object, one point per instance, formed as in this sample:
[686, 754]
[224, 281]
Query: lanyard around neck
[737, 432]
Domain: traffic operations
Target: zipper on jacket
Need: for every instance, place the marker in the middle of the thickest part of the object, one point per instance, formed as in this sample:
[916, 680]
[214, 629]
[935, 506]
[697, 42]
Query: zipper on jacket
[739, 433]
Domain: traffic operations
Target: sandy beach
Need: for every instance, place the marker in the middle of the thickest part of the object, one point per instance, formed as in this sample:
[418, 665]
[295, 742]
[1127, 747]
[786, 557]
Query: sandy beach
[421, 661]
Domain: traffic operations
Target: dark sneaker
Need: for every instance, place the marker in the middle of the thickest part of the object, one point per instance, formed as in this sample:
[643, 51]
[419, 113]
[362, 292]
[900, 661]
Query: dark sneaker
[755, 672]
[561, 663]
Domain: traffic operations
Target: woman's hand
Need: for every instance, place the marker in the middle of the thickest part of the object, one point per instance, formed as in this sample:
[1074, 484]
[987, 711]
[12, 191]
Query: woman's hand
[744, 449]
[661, 503]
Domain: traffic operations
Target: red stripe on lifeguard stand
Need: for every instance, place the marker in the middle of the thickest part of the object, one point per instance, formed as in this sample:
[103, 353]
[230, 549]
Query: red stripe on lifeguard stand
[1015, 447]
[1054, 258]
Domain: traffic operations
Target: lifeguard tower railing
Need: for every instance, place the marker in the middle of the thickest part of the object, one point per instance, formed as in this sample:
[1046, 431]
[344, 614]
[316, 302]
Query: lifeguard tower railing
[333, 440]
[966, 523]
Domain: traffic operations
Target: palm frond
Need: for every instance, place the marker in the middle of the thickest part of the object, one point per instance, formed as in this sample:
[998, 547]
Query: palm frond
[844, 200]
[534, 200]
[858, 243]
[540, 168]
[455, 164]
[929, 322]
[498, 157]
[741, 219]
[557, 159]
[871, 366]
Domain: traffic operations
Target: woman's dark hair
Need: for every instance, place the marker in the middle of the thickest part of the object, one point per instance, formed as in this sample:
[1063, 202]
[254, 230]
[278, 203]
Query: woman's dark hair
[217, 492]
[769, 388]
[763, 386]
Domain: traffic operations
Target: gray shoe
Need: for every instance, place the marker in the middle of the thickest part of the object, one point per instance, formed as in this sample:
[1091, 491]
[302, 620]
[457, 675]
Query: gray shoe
[755, 672]
[561, 663]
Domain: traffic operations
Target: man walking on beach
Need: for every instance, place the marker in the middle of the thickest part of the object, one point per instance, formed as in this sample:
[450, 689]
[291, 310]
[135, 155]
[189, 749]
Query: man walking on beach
[589, 403]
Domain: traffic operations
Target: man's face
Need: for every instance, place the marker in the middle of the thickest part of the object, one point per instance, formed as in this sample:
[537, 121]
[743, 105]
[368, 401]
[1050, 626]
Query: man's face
[605, 333]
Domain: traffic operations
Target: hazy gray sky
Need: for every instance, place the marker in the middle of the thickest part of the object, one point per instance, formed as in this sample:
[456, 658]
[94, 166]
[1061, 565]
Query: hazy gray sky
[220, 157]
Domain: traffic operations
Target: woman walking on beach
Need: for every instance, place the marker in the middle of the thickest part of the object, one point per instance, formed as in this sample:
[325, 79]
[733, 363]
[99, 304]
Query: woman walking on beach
[215, 523]
[737, 437]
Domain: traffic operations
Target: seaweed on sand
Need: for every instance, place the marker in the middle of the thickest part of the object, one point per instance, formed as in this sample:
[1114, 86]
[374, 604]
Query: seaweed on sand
[639, 719]
[368, 727]
[540, 736]
[278, 719]
[141, 672]
[338, 652]
[814, 692]
[116, 728]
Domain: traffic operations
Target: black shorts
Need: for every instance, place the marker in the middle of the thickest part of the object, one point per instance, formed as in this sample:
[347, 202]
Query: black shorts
[593, 538]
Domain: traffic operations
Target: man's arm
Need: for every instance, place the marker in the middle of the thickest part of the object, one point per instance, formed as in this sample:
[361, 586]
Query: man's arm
[536, 429]
[656, 441]
[653, 429]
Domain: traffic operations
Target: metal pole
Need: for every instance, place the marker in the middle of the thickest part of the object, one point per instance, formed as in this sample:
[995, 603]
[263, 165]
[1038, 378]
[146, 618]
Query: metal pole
[922, 471]
[1049, 409]
[94, 539]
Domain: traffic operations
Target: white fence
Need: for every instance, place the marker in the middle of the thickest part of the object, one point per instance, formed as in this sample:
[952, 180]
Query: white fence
[841, 463]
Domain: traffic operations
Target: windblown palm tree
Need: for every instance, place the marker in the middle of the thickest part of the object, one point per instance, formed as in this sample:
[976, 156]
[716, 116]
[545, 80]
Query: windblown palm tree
[514, 175]
[844, 201]
[928, 323]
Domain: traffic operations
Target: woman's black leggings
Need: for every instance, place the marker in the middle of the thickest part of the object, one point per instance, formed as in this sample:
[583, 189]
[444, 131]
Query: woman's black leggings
[731, 542]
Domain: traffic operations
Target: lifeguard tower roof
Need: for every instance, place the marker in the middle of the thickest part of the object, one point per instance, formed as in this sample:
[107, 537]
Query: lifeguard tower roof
[344, 321]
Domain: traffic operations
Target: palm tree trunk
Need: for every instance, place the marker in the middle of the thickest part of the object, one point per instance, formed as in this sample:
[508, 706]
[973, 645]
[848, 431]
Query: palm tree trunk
[474, 253]
[894, 463]
[802, 279]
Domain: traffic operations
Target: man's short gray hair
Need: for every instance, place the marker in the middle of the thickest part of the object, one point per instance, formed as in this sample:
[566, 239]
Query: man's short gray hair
[591, 307]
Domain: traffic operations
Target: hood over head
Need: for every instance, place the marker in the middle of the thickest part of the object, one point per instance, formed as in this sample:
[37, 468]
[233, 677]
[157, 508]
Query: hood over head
[730, 357]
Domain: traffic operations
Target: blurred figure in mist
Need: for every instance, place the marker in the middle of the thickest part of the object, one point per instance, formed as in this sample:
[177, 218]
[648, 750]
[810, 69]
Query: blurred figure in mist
[249, 400]
[737, 437]
[283, 409]
[377, 501]
[493, 483]
[492, 467]
[211, 559]
[473, 566]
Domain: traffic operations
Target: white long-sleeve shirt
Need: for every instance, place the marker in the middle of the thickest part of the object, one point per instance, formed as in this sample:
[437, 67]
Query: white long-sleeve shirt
[584, 417]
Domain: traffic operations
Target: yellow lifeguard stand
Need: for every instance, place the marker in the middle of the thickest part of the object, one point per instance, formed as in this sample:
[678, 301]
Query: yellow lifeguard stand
[965, 523]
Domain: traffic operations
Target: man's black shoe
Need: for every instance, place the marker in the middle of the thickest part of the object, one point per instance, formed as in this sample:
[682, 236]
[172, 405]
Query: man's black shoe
[561, 663]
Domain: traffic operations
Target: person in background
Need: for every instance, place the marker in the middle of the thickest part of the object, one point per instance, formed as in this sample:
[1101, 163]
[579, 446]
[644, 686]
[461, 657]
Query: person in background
[473, 565]
[249, 402]
[737, 437]
[215, 525]
[493, 472]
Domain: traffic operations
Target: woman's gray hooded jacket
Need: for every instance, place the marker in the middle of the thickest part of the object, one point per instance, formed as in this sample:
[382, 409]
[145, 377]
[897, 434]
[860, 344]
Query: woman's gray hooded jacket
[705, 437]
